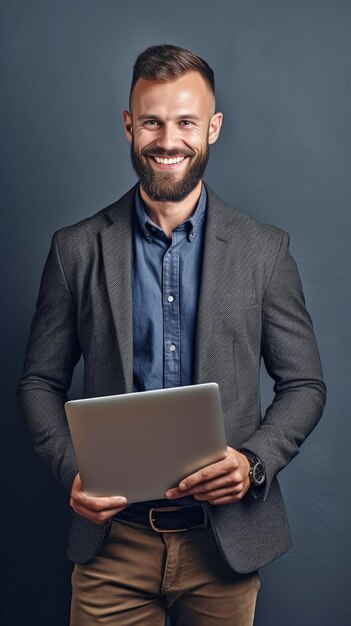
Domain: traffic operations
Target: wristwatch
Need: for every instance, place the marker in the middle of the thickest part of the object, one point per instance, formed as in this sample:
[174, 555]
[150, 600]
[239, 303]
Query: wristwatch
[257, 472]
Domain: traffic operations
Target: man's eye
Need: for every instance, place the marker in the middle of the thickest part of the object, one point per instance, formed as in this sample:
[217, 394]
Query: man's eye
[151, 122]
[185, 122]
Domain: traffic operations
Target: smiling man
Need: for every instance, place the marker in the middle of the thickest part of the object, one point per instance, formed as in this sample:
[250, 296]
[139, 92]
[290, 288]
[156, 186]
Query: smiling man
[167, 287]
[170, 129]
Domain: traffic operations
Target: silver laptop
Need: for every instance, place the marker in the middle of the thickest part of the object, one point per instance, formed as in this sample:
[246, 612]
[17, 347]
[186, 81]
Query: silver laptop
[138, 445]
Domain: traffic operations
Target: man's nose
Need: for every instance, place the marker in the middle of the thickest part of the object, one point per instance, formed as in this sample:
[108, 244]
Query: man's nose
[167, 137]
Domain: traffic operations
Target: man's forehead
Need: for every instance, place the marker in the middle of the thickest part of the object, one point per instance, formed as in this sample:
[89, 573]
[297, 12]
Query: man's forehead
[188, 90]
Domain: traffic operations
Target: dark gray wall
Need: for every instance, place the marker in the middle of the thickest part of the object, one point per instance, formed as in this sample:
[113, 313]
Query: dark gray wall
[283, 77]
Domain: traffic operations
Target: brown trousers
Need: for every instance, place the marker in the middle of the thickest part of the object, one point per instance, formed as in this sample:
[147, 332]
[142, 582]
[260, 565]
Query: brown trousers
[139, 576]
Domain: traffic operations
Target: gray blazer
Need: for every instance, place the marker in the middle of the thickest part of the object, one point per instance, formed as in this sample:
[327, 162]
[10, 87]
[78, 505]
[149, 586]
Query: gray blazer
[251, 305]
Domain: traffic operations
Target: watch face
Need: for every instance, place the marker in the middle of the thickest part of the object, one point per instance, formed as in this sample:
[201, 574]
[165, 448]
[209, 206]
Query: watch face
[258, 474]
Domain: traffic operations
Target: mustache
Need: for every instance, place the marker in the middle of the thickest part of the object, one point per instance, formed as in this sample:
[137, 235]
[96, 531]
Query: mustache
[166, 153]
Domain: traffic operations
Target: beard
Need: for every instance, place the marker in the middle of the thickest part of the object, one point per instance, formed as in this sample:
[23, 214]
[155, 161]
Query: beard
[167, 186]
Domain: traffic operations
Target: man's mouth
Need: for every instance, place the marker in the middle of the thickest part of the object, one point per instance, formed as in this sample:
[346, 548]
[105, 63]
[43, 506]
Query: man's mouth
[166, 163]
[169, 161]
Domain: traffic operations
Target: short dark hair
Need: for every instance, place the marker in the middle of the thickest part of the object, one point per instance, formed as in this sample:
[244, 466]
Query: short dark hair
[167, 62]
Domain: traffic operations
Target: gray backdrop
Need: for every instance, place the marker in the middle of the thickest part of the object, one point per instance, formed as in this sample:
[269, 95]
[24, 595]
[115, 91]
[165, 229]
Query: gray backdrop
[283, 83]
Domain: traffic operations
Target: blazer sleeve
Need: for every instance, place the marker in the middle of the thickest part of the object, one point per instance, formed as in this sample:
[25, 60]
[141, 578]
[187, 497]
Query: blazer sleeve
[52, 353]
[291, 357]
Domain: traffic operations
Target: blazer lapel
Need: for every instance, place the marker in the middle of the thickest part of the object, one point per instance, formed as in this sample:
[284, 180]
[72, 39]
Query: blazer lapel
[117, 256]
[214, 280]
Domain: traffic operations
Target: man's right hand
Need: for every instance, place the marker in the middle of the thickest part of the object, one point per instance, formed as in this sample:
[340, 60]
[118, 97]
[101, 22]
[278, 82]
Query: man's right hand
[95, 509]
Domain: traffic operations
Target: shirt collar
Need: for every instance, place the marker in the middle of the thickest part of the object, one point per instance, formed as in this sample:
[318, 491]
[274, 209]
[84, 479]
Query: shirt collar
[192, 224]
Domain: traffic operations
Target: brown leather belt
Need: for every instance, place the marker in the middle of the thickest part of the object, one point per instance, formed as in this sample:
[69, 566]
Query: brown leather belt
[169, 519]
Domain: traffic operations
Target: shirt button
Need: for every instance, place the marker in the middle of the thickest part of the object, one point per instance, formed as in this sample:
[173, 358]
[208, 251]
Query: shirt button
[172, 348]
[170, 298]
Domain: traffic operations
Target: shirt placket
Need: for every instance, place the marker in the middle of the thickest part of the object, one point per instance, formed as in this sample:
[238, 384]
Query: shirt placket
[171, 312]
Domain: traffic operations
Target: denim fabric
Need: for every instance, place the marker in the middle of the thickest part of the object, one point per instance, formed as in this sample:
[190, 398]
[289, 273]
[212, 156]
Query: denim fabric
[166, 282]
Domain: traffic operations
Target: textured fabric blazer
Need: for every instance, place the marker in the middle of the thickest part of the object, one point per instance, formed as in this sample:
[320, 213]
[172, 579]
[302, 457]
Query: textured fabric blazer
[251, 306]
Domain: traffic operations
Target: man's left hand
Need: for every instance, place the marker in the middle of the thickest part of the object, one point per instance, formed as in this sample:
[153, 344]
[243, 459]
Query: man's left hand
[220, 483]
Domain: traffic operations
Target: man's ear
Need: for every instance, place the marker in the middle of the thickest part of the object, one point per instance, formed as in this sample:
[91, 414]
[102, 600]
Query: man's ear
[128, 125]
[215, 127]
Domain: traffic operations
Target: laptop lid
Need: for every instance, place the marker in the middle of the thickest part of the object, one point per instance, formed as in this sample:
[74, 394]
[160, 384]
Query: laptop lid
[140, 444]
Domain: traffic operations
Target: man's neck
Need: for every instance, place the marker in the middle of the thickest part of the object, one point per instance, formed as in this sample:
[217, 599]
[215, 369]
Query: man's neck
[168, 215]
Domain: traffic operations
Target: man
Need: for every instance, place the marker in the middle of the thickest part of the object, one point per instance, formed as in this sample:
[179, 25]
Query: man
[166, 287]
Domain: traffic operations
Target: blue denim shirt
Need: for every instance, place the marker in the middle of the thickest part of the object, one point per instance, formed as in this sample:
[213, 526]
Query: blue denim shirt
[165, 288]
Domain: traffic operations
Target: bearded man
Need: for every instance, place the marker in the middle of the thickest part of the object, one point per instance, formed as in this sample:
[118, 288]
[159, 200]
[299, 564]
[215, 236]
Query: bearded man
[168, 287]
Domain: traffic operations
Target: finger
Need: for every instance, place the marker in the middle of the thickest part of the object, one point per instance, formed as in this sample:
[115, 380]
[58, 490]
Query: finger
[197, 489]
[219, 493]
[77, 483]
[227, 480]
[98, 517]
[98, 504]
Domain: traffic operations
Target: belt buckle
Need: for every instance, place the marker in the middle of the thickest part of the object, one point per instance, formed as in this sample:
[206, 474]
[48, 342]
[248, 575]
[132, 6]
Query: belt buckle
[175, 530]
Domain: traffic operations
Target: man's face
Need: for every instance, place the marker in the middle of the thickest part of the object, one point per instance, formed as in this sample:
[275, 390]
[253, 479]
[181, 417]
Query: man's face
[170, 127]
